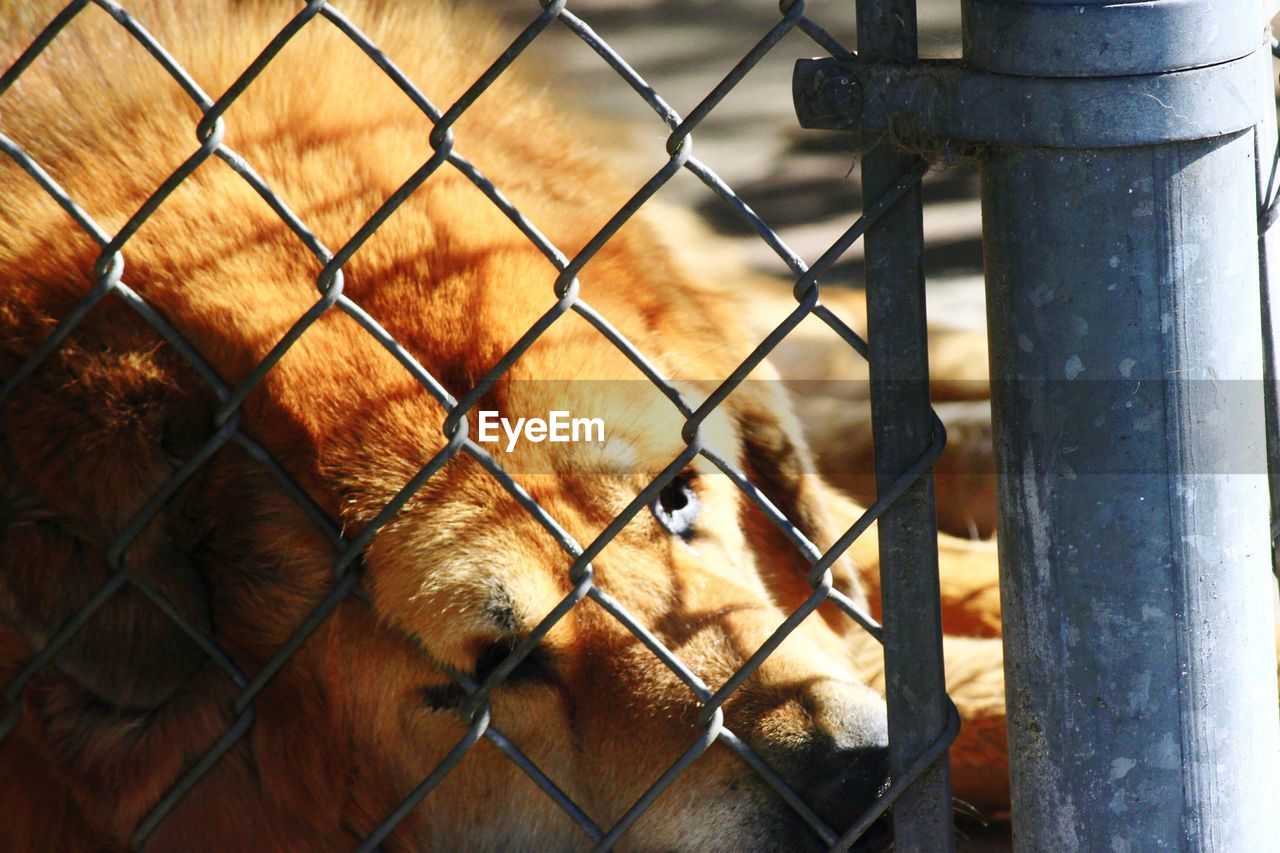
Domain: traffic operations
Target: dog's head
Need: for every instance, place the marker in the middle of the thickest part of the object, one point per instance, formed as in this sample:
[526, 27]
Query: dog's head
[457, 578]
[465, 572]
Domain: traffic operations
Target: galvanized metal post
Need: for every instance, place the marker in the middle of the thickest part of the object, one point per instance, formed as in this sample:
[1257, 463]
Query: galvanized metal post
[1126, 363]
[902, 424]
[1268, 155]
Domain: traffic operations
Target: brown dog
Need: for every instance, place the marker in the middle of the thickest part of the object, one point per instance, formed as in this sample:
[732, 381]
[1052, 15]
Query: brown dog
[368, 705]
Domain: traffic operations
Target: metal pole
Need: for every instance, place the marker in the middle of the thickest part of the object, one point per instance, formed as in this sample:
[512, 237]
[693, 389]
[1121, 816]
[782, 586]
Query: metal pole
[1268, 156]
[902, 430]
[1126, 362]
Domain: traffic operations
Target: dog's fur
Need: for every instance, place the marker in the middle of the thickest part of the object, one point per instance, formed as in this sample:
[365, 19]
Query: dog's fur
[367, 707]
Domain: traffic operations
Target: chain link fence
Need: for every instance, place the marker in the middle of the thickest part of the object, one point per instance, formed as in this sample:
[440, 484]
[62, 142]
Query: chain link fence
[918, 742]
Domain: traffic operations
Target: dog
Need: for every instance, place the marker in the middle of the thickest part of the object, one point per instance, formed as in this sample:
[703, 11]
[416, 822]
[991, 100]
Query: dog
[368, 705]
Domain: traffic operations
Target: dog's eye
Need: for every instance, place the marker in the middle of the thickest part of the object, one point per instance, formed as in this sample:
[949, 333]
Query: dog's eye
[536, 668]
[676, 507]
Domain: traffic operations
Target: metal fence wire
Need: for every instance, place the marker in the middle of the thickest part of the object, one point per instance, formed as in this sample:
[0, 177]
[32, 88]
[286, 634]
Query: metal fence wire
[918, 745]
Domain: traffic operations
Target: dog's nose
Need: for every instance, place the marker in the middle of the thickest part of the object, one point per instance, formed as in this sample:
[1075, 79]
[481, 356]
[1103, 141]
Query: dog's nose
[877, 839]
[845, 783]
[849, 781]
[843, 768]
[831, 746]
[841, 785]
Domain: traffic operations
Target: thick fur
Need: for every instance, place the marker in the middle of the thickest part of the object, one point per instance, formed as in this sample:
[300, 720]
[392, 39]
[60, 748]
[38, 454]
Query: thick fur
[367, 707]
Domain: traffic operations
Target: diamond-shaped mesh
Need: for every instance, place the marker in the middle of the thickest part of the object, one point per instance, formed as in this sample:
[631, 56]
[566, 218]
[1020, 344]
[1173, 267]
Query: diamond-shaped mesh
[111, 273]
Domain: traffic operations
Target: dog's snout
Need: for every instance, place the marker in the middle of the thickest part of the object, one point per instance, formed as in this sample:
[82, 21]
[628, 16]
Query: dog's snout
[841, 785]
[833, 749]
[845, 784]
[854, 778]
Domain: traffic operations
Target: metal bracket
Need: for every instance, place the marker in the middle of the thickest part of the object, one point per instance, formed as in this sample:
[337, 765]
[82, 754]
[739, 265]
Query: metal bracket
[937, 101]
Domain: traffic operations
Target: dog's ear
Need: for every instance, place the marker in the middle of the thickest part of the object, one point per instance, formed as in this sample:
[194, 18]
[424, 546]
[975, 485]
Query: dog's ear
[777, 460]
